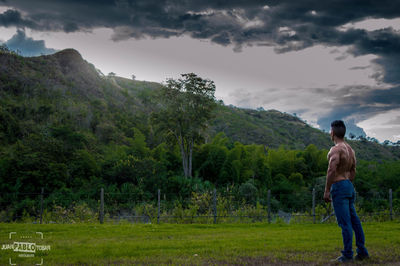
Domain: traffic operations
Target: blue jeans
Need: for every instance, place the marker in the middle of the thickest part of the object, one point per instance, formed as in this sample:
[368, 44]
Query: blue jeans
[343, 195]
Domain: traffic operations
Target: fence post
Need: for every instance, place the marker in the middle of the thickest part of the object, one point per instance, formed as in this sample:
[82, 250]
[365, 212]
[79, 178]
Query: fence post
[158, 206]
[215, 205]
[390, 204]
[41, 205]
[313, 204]
[269, 205]
[102, 205]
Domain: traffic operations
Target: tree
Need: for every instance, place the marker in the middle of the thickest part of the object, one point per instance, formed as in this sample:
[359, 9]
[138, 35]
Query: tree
[186, 107]
[4, 48]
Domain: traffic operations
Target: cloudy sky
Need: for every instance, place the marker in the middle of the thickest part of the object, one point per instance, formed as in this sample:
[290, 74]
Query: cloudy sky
[322, 60]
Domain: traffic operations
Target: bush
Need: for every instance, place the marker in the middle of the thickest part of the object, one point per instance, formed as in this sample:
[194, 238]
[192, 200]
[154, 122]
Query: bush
[77, 213]
[248, 192]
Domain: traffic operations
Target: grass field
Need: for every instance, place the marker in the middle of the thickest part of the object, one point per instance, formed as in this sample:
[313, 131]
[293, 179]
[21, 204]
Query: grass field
[127, 244]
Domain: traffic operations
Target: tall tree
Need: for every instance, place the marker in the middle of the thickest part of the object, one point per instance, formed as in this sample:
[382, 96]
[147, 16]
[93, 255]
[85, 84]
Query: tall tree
[186, 107]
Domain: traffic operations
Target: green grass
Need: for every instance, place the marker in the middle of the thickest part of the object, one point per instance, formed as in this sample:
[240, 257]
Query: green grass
[126, 244]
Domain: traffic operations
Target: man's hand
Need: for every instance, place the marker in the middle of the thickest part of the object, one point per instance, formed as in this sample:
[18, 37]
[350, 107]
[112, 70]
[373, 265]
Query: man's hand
[327, 196]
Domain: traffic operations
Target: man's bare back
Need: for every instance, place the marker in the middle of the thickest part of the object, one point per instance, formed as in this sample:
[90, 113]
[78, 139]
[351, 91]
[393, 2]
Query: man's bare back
[347, 161]
[342, 165]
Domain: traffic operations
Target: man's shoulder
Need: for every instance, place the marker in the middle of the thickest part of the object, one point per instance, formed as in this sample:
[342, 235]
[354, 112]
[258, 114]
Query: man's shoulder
[334, 150]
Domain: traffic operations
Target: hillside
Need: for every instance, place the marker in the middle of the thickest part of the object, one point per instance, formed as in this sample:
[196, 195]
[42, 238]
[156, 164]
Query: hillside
[45, 92]
[69, 129]
[273, 128]
[270, 128]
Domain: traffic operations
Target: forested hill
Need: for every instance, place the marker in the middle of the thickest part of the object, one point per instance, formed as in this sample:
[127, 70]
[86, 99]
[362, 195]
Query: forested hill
[273, 128]
[65, 97]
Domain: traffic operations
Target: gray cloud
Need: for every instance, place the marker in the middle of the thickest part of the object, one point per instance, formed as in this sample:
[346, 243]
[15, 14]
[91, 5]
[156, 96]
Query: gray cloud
[236, 23]
[13, 18]
[27, 46]
[395, 120]
[359, 67]
[228, 20]
[355, 104]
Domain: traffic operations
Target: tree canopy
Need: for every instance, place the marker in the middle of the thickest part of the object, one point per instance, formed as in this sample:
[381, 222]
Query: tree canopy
[186, 106]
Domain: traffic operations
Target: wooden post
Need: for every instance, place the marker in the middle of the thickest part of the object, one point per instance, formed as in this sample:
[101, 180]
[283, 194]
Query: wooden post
[102, 205]
[158, 206]
[313, 204]
[390, 204]
[215, 205]
[41, 205]
[269, 205]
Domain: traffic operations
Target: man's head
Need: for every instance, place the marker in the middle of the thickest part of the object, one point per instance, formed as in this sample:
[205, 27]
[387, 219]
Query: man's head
[338, 129]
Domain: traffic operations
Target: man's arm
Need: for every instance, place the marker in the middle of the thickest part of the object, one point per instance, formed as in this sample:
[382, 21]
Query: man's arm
[353, 169]
[334, 157]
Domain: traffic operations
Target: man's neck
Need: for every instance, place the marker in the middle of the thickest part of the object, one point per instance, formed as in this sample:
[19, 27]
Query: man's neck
[338, 141]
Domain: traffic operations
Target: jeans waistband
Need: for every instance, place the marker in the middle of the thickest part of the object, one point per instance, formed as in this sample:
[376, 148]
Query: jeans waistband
[341, 180]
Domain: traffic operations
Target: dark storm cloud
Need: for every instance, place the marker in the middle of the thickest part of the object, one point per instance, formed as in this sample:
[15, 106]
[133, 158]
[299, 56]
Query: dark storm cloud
[286, 25]
[314, 21]
[70, 27]
[13, 18]
[385, 96]
[27, 46]
[391, 66]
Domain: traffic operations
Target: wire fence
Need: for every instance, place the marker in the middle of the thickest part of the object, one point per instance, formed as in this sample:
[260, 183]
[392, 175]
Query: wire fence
[223, 206]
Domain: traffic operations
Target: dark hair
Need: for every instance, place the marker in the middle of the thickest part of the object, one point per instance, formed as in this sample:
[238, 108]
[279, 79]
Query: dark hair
[338, 128]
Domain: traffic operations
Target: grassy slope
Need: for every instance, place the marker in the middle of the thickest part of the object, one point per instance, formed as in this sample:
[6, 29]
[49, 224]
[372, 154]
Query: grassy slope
[227, 243]
[271, 128]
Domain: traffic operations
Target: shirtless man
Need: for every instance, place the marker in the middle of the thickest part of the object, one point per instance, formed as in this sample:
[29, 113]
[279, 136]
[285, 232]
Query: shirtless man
[339, 178]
